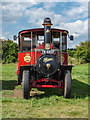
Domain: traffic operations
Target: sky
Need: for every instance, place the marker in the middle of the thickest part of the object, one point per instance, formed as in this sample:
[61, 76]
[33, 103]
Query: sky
[72, 16]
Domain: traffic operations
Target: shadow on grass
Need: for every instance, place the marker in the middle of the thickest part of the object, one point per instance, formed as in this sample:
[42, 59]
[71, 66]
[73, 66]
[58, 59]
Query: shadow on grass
[79, 90]
[9, 84]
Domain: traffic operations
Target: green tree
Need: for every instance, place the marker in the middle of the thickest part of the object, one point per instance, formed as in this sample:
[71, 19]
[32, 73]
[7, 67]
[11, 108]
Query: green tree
[9, 51]
[71, 52]
[82, 52]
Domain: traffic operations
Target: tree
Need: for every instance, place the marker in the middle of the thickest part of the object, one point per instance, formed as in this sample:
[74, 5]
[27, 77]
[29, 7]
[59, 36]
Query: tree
[71, 52]
[82, 52]
[9, 51]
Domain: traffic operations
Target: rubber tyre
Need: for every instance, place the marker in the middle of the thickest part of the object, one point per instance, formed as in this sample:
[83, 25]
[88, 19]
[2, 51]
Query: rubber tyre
[18, 80]
[26, 84]
[68, 84]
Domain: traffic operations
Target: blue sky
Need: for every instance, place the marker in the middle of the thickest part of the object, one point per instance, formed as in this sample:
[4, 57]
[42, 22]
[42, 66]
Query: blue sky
[72, 16]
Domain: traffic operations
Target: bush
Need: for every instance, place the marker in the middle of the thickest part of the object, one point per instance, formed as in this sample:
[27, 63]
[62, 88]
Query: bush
[9, 51]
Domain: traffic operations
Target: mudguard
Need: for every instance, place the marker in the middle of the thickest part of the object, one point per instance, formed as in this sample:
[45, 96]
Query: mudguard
[66, 67]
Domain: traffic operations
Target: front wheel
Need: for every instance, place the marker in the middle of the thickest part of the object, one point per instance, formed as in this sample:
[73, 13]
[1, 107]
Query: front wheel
[67, 84]
[18, 80]
[26, 84]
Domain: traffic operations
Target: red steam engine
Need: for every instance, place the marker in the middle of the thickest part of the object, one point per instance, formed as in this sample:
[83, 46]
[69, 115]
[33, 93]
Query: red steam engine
[43, 59]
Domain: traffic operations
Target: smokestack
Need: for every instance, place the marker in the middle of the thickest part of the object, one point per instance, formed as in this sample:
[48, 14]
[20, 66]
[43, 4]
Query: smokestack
[47, 32]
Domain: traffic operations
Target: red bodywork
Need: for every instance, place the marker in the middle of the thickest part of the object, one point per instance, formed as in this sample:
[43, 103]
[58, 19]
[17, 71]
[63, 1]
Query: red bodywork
[21, 62]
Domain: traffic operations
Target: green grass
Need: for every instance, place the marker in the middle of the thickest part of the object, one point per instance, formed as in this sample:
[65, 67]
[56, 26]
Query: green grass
[50, 104]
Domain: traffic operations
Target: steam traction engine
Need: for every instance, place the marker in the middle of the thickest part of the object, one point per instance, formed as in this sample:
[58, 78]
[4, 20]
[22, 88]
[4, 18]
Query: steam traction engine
[43, 59]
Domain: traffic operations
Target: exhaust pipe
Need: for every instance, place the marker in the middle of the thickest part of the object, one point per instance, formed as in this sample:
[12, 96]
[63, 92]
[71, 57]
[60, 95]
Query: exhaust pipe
[47, 32]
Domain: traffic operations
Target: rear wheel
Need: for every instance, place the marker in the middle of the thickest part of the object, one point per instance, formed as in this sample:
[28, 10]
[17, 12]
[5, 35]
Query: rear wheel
[67, 84]
[26, 84]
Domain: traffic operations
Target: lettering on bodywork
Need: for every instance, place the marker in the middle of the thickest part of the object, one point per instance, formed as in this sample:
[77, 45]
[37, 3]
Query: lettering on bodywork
[47, 59]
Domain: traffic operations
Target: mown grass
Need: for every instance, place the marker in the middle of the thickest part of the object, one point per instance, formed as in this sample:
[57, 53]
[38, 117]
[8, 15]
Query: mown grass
[50, 104]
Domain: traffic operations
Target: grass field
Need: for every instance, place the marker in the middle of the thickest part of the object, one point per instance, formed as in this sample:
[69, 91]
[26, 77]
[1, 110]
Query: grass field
[50, 104]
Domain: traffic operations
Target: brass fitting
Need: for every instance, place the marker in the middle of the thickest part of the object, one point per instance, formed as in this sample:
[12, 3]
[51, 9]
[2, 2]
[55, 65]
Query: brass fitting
[48, 66]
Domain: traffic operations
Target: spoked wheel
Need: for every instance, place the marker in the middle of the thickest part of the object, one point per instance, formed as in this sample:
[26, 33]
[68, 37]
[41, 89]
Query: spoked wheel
[67, 84]
[26, 84]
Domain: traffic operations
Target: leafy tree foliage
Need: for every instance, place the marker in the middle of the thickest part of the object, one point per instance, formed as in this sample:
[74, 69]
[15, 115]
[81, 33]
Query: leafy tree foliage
[81, 52]
[9, 51]
[71, 52]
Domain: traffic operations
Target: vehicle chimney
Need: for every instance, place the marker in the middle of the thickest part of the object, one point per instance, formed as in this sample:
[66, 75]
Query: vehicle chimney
[47, 32]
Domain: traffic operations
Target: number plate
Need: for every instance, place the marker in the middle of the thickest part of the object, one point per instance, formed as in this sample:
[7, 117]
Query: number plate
[48, 52]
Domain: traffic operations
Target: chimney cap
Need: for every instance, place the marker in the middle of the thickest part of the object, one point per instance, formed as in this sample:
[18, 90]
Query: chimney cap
[47, 21]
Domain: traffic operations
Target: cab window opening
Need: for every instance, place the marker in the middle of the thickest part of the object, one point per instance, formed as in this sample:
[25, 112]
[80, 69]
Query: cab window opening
[57, 40]
[38, 40]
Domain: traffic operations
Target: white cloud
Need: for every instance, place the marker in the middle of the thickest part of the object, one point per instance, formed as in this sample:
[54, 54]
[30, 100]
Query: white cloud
[78, 12]
[49, 5]
[77, 28]
[7, 33]
[2, 38]
[13, 11]
[0, 12]
[0, 19]
[45, 0]
[36, 15]
[33, 1]
[57, 19]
